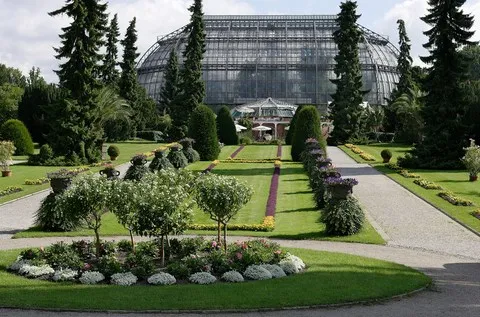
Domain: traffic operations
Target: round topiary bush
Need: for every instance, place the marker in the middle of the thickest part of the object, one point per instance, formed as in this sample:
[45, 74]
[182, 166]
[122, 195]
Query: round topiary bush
[177, 158]
[386, 155]
[113, 151]
[14, 130]
[227, 133]
[342, 217]
[291, 129]
[306, 127]
[203, 129]
[46, 153]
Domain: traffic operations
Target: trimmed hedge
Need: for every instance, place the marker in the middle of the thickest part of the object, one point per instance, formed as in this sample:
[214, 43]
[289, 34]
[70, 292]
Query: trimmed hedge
[203, 129]
[293, 123]
[14, 130]
[227, 133]
[307, 126]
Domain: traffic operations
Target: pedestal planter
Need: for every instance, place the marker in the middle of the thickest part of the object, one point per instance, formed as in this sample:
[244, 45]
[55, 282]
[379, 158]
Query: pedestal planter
[340, 191]
[6, 173]
[60, 184]
[473, 178]
[111, 173]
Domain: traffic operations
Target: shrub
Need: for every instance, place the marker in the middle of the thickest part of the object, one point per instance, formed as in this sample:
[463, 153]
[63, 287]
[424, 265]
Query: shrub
[50, 218]
[471, 159]
[275, 270]
[204, 130]
[15, 131]
[91, 277]
[160, 162]
[113, 151]
[232, 277]
[202, 278]
[191, 154]
[7, 149]
[227, 132]
[62, 256]
[34, 271]
[245, 140]
[109, 265]
[257, 272]
[123, 279]
[177, 158]
[46, 153]
[162, 279]
[179, 270]
[293, 123]
[386, 155]
[307, 126]
[342, 217]
[140, 265]
[64, 275]
[288, 267]
[138, 169]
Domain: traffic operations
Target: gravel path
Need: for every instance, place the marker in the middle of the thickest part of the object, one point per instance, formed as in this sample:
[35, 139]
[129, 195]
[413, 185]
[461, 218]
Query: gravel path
[404, 219]
[18, 215]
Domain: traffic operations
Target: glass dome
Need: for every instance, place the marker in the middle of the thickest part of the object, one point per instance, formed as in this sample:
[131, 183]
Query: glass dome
[267, 108]
[289, 58]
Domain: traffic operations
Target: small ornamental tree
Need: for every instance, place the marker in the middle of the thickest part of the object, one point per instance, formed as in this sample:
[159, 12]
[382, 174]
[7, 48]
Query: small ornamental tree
[306, 127]
[203, 130]
[227, 133]
[87, 199]
[472, 159]
[15, 131]
[293, 123]
[222, 197]
[164, 204]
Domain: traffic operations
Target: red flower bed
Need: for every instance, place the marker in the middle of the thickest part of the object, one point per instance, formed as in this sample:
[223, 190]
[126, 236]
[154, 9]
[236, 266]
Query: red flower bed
[272, 196]
[237, 151]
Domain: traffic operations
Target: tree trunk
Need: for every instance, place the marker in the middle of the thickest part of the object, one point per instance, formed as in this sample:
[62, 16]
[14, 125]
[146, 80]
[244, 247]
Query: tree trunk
[97, 243]
[219, 231]
[131, 241]
[225, 237]
[162, 246]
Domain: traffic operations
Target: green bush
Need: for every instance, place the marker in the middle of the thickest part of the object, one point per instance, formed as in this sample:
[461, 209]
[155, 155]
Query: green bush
[177, 158]
[138, 169]
[342, 217]
[227, 133]
[204, 130]
[245, 140]
[307, 126]
[61, 255]
[191, 154]
[179, 270]
[15, 131]
[140, 265]
[293, 123]
[46, 153]
[49, 218]
[113, 151]
[160, 161]
[109, 265]
[386, 155]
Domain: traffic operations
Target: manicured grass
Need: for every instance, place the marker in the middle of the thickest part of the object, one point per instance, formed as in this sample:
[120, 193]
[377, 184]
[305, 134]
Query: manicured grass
[454, 181]
[22, 172]
[397, 150]
[258, 152]
[332, 278]
[227, 150]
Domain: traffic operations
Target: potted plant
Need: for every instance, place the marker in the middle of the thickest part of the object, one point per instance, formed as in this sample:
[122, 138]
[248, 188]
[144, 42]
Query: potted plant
[113, 152]
[110, 172]
[386, 155]
[472, 160]
[340, 188]
[61, 179]
[6, 151]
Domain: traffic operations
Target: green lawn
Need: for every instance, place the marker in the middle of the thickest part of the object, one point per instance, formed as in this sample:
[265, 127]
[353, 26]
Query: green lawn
[22, 172]
[227, 150]
[332, 278]
[454, 181]
[258, 152]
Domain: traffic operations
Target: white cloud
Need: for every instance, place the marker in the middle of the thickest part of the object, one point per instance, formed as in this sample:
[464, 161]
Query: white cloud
[28, 33]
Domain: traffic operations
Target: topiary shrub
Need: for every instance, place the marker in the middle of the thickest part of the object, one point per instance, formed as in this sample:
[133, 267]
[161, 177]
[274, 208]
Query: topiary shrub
[138, 169]
[293, 123]
[307, 126]
[203, 129]
[191, 154]
[342, 217]
[245, 140]
[14, 130]
[46, 153]
[176, 157]
[160, 162]
[227, 132]
[386, 155]
[113, 151]
[49, 218]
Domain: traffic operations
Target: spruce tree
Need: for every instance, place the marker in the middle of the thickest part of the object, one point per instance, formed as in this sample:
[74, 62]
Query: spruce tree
[227, 133]
[170, 90]
[445, 133]
[192, 86]
[110, 74]
[291, 130]
[203, 129]
[75, 132]
[345, 108]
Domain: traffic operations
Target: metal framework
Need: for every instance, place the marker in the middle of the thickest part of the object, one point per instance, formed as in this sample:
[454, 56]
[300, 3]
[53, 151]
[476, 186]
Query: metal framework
[289, 58]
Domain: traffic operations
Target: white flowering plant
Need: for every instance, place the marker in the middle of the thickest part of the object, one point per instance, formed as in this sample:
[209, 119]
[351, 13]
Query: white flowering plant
[18, 264]
[288, 267]
[257, 272]
[299, 264]
[64, 275]
[232, 277]
[36, 271]
[472, 158]
[91, 277]
[123, 279]
[202, 278]
[162, 279]
[275, 270]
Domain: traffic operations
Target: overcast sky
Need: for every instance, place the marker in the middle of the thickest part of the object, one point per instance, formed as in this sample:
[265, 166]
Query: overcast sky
[28, 34]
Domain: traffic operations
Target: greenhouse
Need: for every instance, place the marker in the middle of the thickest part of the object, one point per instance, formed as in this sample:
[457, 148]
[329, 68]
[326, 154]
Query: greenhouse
[289, 58]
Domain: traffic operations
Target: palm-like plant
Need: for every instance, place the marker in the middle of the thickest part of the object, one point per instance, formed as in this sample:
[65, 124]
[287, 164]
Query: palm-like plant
[110, 106]
[408, 107]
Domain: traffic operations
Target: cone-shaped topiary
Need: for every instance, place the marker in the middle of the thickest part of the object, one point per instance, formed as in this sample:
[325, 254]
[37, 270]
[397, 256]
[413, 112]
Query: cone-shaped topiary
[138, 169]
[203, 129]
[227, 133]
[176, 157]
[191, 155]
[160, 162]
[307, 126]
[289, 137]
[14, 130]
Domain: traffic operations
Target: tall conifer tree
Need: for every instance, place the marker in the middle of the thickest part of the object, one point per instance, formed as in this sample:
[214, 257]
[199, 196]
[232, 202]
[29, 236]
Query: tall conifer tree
[75, 131]
[170, 90]
[128, 79]
[445, 133]
[110, 73]
[345, 108]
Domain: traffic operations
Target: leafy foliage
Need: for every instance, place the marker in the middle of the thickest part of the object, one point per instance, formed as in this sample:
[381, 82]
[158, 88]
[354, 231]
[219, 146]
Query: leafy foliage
[191, 154]
[307, 126]
[293, 123]
[160, 161]
[15, 131]
[170, 92]
[227, 133]
[177, 158]
[138, 169]
[51, 218]
[342, 217]
[204, 130]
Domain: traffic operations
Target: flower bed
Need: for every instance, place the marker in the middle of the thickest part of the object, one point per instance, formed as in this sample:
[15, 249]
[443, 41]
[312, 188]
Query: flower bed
[455, 200]
[10, 190]
[193, 260]
[38, 181]
[427, 184]
[393, 167]
[279, 152]
[407, 174]
[229, 160]
[237, 151]
[367, 157]
[267, 225]
[272, 195]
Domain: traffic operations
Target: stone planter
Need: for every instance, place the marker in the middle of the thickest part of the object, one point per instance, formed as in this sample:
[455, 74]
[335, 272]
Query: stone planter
[60, 184]
[6, 173]
[111, 173]
[473, 178]
[340, 191]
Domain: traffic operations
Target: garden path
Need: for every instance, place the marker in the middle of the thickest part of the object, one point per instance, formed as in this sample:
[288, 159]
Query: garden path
[404, 219]
[19, 214]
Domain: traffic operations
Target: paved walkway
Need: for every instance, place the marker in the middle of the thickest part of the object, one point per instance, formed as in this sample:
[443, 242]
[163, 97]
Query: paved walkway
[418, 235]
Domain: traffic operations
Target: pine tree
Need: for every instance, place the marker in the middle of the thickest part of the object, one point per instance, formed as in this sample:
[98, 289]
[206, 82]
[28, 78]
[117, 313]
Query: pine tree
[227, 133]
[445, 133]
[110, 74]
[192, 86]
[76, 133]
[405, 84]
[170, 90]
[345, 108]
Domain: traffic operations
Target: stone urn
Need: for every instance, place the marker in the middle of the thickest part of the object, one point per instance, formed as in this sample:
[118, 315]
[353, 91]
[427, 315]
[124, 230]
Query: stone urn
[340, 191]
[110, 173]
[60, 184]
